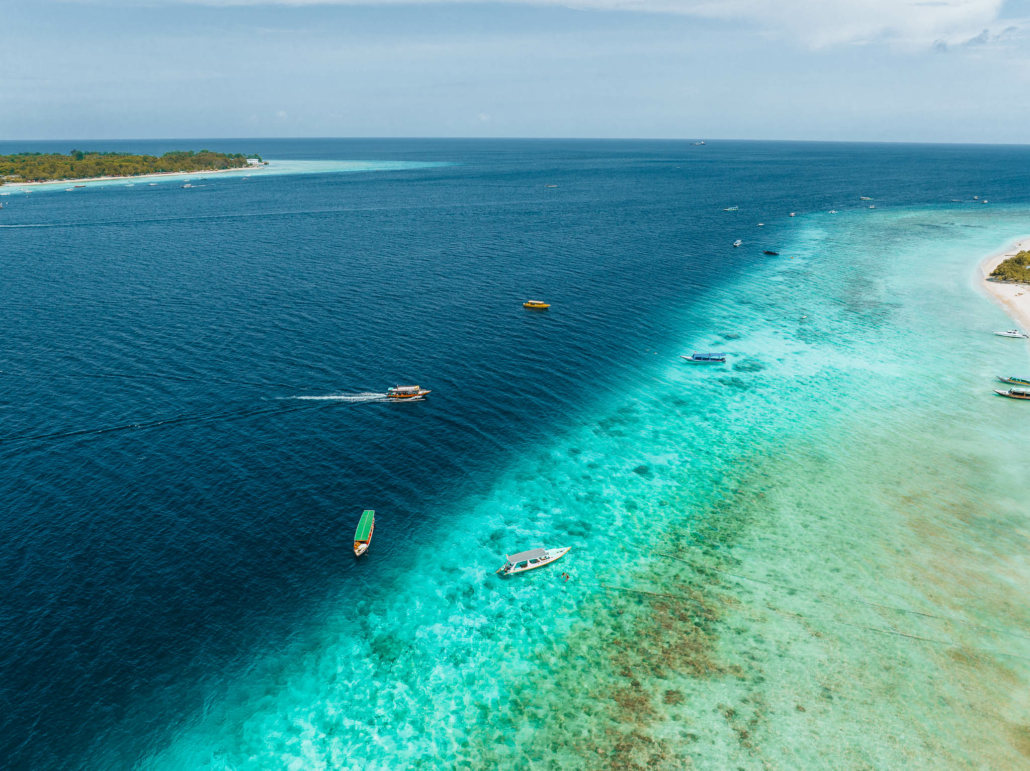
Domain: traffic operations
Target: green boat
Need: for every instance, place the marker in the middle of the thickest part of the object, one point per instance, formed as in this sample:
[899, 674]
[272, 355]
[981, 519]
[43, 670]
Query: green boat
[363, 535]
[1014, 380]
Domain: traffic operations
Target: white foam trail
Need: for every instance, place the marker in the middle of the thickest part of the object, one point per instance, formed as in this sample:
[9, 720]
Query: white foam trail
[365, 397]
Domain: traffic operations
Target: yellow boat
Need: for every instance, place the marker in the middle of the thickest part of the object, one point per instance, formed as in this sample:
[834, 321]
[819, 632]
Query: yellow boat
[406, 392]
[537, 305]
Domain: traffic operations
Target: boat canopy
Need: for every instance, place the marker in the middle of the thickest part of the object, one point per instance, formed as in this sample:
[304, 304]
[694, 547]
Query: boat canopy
[709, 355]
[364, 531]
[532, 554]
[405, 389]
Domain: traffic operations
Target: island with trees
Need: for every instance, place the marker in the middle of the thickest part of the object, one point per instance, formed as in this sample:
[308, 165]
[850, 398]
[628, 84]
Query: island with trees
[78, 165]
[1013, 270]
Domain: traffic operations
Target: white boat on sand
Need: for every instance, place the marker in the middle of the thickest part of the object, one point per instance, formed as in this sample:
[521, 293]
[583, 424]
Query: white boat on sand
[532, 559]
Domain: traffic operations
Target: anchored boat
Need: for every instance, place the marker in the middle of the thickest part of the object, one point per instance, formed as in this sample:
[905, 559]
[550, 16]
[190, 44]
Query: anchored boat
[406, 392]
[1010, 333]
[532, 559]
[705, 358]
[536, 305]
[1014, 380]
[1015, 393]
[363, 535]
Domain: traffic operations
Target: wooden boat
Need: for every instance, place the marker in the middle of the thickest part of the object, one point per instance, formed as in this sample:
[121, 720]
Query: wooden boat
[363, 535]
[536, 305]
[531, 560]
[1014, 380]
[406, 392]
[1010, 333]
[705, 358]
[1015, 393]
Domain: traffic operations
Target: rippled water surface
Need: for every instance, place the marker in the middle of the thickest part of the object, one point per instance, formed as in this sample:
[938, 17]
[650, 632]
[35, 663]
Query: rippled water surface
[810, 557]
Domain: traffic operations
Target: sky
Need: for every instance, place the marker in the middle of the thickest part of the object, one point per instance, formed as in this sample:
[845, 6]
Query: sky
[861, 70]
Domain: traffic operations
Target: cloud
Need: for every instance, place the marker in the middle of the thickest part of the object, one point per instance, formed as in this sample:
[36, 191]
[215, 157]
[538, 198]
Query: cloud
[282, 115]
[814, 23]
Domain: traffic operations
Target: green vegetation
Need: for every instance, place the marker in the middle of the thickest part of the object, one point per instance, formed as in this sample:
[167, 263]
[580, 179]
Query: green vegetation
[1014, 269]
[36, 167]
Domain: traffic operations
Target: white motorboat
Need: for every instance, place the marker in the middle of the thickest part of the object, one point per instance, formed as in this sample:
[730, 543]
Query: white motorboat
[1011, 333]
[532, 559]
[738, 242]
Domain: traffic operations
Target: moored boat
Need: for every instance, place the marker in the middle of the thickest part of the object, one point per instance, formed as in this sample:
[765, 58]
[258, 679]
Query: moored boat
[530, 560]
[771, 253]
[363, 535]
[705, 358]
[1010, 333]
[1015, 393]
[1014, 380]
[406, 392]
[738, 242]
[536, 305]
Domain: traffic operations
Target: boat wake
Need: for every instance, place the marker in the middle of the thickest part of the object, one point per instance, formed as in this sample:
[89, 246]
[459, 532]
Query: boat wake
[363, 397]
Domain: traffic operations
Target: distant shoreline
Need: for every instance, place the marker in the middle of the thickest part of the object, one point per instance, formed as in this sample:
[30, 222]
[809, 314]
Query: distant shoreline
[155, 175]
[1014, 298]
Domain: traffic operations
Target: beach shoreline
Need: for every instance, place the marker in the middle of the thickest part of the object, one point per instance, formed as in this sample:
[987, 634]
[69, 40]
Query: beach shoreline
[1013, 298]
[155, 175]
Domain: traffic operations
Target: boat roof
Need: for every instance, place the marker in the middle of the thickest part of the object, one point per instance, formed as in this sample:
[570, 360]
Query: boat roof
[532, 554]
[364, 531]
[405, 388]
[708, 354]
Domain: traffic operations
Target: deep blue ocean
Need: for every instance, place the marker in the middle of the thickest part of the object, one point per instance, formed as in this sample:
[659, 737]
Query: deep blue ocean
[171, 511]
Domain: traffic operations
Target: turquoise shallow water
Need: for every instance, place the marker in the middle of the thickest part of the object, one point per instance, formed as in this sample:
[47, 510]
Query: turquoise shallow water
[273, 169]
[813, 557]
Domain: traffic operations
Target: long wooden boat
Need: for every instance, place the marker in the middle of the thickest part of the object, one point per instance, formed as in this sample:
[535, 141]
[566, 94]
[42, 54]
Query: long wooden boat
[705, 358]
[363, 535]
[1015, 393]
[531, 560]
[1014, 380]
[406, 392]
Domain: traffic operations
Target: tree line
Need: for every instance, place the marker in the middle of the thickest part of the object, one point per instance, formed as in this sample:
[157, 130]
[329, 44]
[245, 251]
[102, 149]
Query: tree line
[1014, 269]
[79, 164]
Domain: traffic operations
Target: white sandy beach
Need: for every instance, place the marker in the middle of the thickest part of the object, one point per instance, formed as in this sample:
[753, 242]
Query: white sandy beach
[1014, 298]
[141, 177]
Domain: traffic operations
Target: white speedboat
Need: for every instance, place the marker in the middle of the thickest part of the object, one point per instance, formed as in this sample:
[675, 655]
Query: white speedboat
[532, 559]
[738, 242]
[1010, 333]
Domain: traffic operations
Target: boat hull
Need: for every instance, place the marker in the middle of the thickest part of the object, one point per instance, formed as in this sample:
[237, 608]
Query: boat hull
[703, 361]
[1008, 395]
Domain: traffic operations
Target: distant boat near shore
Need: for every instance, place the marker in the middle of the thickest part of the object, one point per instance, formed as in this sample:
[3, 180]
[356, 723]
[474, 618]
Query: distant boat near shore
[1011, 333]
[1014, 380]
